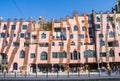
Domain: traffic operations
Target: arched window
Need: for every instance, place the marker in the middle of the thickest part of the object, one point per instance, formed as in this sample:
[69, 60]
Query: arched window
[74, 55]
[64, 55]
[111, 52]
[102, 43]
[22, 54]
[83, 28]
[43, 35]
[75, 28]
[15, 66]
[44, 56]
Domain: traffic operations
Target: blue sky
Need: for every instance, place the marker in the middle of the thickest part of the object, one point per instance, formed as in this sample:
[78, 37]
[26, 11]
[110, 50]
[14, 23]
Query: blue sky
[49, 9]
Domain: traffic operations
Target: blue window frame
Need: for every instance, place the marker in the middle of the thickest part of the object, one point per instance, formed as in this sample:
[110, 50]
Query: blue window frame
[83, 28]
[13, 27]
[24, 27]
[81, 36]
[102, 43]
[22, 35]
[98, 19]
[111, 34]
[75, 28]
[71, 35]
[22, 54]
[43, 35]
[97, 26]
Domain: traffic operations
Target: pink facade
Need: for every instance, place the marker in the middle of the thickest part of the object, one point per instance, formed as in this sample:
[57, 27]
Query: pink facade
[89, 39]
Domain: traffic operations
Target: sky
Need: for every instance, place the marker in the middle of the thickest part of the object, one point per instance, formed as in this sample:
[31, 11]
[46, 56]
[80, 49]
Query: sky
[49, 9]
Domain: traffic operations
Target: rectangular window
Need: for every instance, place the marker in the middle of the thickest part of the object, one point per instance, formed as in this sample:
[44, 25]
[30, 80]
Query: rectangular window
[81, 36]
[2, 35]
[15, 43]
[22, 35]
[107, 19]
[24, 27]
[26, 44]
[61, 43]
[7, 35]
[80, 43]
[13, 27]
[97, 26]
[32, 55]
[103, 54]
[55, 55]
[111, 34]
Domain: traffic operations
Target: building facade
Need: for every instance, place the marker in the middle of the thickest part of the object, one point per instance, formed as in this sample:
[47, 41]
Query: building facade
[91, 39]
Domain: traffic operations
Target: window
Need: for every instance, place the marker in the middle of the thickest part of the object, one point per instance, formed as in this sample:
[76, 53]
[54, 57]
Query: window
[86, 36]
[53, 43]
[14, 35]
[22, 35]
[82, 21]
[75, 28]
[24, 27]
[75, 55]
[80, 43]
[59, 54]
[97, 26]
[26, 44]
[5, 43]
[98, 19]
[15, 43]
[13, 27]
[71, 35]
[44, 56]
[111, 34]
[2, 35]
[108, 19]
[108, 27]
[83, 28]
[102, 54]
[32, 55]
[22, 54]
[100, 35]
[113, 44]
[55, 55]
[81, 36]
[7, 35]
[89, 53]
[64, 55]
[27, 35]
[102, 43]
[61, 43]
[68, 28]
[4, 27]
[72, 43]
[111, 52]
[119, 54]
[43, 35]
